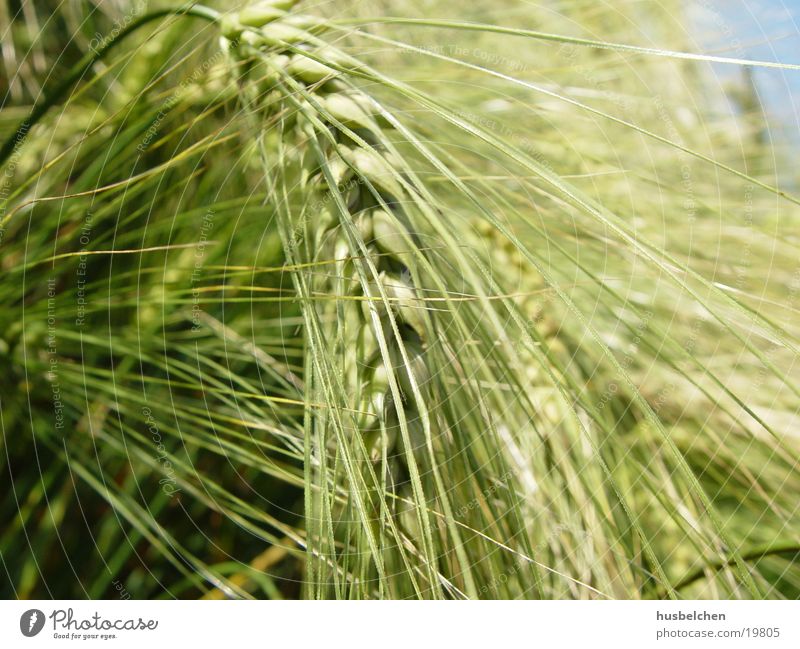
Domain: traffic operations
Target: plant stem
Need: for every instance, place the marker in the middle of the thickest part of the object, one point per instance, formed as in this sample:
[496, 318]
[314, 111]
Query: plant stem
[558, 38]
[89, 59]
[780, 547]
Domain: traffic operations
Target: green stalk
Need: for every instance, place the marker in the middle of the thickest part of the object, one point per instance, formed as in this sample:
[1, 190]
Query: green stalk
[766, 550]
[558, 38]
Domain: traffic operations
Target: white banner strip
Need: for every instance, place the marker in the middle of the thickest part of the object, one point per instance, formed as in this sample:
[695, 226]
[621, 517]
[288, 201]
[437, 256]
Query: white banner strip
[386, 625]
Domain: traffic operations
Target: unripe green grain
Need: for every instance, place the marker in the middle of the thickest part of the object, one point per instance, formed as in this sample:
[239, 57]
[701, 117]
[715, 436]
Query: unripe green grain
[278, 33]
[309, 70]
[404, 300]
[255, 39]
[390, 235]
[259, 15]
[348, 111]
[416, 367]
[266, 76]
[230, 27]
[381, 239]
[305, 21]
[363, 223]
[374, 391]
[282, 4]
[339, 170]
[371, 165]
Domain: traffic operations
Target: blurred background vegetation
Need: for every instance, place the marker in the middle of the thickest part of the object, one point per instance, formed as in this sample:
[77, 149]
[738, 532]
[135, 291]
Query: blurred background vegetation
[633, 428]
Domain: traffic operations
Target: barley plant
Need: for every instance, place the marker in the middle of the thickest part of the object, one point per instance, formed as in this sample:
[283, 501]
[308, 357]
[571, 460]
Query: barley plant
[391, 299]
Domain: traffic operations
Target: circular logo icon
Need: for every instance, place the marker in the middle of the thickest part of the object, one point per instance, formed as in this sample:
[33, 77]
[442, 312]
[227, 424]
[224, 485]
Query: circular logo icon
[31, 622]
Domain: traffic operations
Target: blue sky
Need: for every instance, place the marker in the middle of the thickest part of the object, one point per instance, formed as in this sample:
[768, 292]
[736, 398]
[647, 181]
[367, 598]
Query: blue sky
[758, 29]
